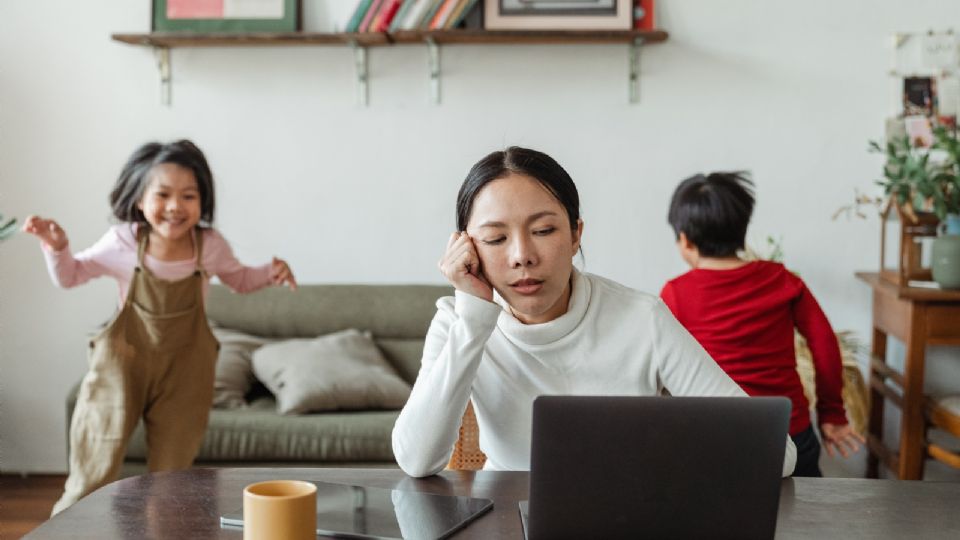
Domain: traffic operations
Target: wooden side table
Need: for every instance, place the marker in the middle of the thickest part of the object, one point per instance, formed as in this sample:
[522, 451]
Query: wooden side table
[918, 317]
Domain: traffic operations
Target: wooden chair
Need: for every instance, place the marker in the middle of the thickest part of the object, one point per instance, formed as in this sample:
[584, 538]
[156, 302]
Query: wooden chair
[466, 452]
[943, 414]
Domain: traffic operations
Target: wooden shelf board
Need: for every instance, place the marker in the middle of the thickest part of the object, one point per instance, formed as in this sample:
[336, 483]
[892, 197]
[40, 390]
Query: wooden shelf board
[507, 37]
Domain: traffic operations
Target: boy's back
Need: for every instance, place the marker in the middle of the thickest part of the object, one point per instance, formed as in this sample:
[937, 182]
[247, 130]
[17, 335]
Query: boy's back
[745, 318]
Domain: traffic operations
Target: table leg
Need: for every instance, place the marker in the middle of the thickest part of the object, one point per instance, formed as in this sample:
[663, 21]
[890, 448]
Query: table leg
[911, 423]
[878, 349]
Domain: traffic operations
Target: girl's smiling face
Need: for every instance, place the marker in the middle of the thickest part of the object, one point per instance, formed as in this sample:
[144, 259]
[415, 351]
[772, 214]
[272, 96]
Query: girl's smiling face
[171, 202]
[526, 246]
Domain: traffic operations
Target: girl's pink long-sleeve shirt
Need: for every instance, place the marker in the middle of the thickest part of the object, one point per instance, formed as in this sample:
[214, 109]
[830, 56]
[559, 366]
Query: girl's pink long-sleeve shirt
[115, 255]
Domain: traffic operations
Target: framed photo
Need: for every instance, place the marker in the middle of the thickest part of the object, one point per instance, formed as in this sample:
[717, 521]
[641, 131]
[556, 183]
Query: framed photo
[226, 15]
[558, 14]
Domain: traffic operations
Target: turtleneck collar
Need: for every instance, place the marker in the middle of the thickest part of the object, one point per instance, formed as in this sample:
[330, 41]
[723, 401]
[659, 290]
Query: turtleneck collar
[548, 332]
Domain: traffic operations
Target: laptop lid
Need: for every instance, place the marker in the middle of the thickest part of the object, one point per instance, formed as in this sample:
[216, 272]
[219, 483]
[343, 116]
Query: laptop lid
[657, 467]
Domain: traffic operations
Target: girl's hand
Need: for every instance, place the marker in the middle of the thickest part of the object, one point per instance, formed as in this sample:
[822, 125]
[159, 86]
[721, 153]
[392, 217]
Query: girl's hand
[461, 266]
[841, 439]
[280, 273]
[47, 230]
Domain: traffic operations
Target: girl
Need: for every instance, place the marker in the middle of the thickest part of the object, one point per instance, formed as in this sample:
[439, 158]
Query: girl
[156, 358]
[524, 322]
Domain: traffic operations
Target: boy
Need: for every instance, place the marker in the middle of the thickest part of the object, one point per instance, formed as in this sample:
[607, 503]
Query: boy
[744, 313]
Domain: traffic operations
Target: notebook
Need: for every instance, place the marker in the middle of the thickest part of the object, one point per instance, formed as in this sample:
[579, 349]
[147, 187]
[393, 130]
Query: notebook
[655, 467]
[349, 511]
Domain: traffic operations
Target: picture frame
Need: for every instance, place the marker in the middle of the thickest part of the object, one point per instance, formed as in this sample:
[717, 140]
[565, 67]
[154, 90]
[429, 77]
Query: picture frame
[558, 14]
[226, 16]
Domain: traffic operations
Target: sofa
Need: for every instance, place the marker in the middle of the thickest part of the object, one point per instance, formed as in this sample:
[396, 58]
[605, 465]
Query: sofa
[397, 317]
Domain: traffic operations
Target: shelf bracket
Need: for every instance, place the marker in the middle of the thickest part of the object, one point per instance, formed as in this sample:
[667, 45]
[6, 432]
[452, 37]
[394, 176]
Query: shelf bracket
[360, 62]
[163, 64]
[635, 70]
[433, 53]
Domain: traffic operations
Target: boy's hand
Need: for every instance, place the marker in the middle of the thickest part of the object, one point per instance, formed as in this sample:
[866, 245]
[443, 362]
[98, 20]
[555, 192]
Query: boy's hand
[47, 230]
[280, 273]
[460, 264]
[841, 439]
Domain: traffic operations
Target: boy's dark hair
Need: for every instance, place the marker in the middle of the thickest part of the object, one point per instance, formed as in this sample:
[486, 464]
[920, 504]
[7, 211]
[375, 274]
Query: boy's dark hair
[713, 211]
[537, 165]
[134, 178]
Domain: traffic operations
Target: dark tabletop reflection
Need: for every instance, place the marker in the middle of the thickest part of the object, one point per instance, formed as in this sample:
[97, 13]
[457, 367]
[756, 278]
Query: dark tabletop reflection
[157, 505]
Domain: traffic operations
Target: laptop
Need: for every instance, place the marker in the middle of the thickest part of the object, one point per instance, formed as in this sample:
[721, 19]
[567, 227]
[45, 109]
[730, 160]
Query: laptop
[655, 467]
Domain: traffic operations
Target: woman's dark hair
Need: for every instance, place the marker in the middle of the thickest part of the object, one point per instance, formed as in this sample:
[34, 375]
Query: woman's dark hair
[135, 176]
[537, 165]
[713, 211]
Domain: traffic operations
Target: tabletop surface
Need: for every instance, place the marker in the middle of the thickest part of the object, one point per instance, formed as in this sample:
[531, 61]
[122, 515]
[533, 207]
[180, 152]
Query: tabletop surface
[187, 504]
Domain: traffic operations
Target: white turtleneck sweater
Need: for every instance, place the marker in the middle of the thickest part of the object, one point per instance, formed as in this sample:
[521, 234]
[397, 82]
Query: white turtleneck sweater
[612, 340]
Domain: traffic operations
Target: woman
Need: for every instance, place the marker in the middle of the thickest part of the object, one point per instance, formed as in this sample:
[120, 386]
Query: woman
[524, 322]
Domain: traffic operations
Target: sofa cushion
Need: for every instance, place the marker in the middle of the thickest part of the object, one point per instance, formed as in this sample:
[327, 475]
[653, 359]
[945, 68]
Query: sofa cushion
[343, 370]
[257, 433]
[234, 372]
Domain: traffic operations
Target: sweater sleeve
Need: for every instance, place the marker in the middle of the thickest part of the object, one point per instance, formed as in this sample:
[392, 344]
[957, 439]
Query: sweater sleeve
[687, 370]
[219, 260]
[68, 270]
[426, 430]
[828, 367]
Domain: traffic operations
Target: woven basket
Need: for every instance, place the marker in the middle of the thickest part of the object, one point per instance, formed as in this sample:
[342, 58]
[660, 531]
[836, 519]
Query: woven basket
[466, 452]
[855, 397]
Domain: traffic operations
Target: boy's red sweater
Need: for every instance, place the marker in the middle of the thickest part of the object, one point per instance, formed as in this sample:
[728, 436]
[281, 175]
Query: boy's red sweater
[745, 319]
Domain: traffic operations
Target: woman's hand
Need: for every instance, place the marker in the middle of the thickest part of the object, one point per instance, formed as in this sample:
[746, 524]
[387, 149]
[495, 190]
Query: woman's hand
[841, 439]
[47, 230]
[280, 273]
[461, 266]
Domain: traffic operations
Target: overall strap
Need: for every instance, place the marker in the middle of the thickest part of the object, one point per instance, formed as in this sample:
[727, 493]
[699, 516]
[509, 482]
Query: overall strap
[143, 233]
[198, 241]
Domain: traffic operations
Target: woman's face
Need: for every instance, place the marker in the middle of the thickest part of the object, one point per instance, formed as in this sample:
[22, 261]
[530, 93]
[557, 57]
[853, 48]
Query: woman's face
[526, 247]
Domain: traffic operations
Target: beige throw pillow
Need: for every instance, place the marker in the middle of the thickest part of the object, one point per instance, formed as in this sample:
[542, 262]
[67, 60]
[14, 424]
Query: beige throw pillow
[234, 372]
[344, 370]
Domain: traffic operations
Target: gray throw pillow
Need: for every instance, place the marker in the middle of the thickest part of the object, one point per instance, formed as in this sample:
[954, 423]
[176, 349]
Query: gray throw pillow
[234, 371]
[344, 370]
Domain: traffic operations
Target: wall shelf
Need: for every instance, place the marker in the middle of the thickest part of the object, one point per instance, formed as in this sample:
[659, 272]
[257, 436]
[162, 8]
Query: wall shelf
[162, 42]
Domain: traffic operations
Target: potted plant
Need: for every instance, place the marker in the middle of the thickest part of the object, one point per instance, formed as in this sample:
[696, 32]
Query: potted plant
[945, 252]
[7, 228]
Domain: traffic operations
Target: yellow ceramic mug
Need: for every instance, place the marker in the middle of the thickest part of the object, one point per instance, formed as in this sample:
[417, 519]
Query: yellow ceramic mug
[280, 510]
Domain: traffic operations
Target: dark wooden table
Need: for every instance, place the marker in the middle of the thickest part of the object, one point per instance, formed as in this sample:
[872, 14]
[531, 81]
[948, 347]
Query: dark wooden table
[187, 504]
[918, 317]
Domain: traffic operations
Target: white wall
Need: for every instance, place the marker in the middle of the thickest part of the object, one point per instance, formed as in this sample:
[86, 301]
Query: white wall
[789, 90]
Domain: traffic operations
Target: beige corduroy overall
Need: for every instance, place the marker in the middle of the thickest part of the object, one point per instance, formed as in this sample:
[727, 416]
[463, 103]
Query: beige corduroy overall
[155, 359]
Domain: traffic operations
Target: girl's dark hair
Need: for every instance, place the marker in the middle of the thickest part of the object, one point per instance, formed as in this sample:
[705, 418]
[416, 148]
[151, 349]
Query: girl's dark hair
[713, 211]
[134, 178]
[537, 165]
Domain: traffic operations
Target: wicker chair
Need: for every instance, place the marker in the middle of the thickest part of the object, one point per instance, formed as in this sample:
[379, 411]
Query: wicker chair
[855, 399]
[466, 452]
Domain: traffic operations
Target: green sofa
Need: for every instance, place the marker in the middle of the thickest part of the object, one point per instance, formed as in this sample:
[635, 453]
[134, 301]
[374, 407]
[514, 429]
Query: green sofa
[398, 317]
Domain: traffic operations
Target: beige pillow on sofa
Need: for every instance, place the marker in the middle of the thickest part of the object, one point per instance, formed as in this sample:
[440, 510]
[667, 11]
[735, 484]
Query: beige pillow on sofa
[234, 373]
[344, 370]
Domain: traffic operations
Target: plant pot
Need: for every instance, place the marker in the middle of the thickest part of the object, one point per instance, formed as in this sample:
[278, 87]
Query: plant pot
[951, 224]
[945, 262]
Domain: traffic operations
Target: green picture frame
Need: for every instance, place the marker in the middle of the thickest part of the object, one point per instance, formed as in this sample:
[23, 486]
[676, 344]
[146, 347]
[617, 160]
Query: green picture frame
[290, 22]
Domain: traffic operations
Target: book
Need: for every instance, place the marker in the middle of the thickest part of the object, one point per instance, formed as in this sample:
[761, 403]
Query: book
[381, 21]
[397, 22]
[463, 9]
[368, 17]
[643, 14]
[424, 23]
[357, 17]
[440, 17]
[412, 20]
